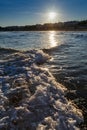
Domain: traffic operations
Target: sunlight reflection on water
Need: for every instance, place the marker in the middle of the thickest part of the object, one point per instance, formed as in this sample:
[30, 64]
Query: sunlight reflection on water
[52, 39]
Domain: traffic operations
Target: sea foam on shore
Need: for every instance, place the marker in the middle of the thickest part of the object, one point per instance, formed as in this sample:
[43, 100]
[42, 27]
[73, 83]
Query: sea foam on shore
[30, 98]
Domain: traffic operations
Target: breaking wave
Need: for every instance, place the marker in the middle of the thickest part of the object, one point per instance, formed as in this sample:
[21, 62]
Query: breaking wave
[30, 98]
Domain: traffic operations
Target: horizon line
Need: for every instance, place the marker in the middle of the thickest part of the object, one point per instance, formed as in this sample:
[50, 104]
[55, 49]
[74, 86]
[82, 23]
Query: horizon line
[44, 23]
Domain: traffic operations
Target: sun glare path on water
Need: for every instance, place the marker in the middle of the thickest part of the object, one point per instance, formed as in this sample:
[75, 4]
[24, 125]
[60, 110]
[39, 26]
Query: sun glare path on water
[52, 39]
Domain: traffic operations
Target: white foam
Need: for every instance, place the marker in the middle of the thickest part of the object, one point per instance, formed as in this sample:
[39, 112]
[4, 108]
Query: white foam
[30, 98]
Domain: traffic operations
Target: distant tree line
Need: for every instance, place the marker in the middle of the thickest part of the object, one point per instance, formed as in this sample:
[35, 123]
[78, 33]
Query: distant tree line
[62, 26]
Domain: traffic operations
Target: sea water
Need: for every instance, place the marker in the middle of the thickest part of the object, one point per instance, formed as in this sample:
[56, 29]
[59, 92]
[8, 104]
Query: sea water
[68, 51]
[68, 63]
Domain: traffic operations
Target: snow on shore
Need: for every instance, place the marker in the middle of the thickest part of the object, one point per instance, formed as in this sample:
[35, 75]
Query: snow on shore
[30, 98]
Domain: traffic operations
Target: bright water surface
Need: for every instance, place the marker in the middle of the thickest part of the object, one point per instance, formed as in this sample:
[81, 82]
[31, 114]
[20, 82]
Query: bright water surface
[68, 49]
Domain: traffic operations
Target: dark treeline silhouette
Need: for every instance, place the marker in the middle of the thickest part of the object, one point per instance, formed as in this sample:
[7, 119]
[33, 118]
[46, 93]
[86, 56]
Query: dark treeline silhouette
[63, 26]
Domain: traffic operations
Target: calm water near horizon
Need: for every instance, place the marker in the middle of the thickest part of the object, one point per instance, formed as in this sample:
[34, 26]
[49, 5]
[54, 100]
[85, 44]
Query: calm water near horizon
[68, 49]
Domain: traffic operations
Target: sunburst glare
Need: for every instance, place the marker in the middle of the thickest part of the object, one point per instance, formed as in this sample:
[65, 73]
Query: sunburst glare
[52, 15]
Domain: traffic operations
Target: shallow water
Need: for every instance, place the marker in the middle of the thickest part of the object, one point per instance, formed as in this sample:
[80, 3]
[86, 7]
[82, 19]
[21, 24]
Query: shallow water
[69, 58]
[68, 50]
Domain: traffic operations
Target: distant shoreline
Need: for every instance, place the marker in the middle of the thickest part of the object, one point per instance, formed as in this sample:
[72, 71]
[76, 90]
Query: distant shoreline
[60, 26]
[43, 30]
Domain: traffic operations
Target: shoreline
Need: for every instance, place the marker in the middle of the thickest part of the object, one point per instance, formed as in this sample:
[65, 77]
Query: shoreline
[45, 30]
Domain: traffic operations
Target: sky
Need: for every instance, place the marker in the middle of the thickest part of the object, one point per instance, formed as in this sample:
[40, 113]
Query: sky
[28, 12]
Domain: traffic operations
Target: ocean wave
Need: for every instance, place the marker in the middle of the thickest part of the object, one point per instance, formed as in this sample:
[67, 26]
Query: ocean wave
[8, 49]
[81, 36]
[30, 98]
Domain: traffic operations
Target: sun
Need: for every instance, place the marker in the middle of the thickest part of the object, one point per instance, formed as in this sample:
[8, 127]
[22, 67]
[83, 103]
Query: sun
[52, 15]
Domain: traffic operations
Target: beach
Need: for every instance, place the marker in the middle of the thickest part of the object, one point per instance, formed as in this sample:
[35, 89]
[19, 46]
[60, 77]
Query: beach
[43, 65]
